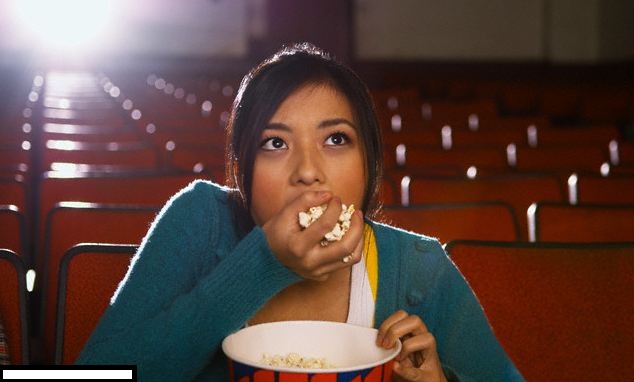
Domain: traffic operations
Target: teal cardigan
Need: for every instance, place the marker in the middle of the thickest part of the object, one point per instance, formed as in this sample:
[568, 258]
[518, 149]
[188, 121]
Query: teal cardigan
[193, 282]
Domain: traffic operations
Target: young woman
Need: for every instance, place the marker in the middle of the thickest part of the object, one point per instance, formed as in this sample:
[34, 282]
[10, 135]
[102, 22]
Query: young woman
[302, 133]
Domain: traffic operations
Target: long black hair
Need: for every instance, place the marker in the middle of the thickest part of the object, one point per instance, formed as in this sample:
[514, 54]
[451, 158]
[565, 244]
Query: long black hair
[261, 92]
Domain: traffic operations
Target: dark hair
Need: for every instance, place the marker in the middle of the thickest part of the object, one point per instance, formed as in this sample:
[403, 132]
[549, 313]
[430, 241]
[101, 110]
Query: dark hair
[261, 92]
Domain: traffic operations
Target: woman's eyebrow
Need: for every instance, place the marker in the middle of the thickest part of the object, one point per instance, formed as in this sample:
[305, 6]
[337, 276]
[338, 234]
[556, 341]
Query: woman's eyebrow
[336, 121]
[277, 126]
[323, 124]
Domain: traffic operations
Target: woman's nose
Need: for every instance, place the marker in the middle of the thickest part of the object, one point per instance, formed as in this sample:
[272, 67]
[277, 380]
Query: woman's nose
[308, 167]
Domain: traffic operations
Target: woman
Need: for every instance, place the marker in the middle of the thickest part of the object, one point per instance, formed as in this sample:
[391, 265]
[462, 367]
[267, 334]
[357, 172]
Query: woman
[302, 133]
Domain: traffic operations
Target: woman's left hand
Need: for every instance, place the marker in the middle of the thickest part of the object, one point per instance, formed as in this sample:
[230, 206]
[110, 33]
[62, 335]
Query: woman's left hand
[418, 359]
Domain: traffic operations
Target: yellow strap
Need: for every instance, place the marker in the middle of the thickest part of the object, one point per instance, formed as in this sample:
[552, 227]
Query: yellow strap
[371, 259]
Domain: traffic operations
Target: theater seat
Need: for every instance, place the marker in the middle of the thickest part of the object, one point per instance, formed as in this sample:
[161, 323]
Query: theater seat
[71, 223]
[13, 306]
[520, 191]
[581, 223]
[563, 312]
[89, 276]
[451, 221]
[13, 232]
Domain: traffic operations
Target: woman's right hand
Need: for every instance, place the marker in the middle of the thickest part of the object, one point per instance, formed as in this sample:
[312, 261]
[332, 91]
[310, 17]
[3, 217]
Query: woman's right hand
[299, 248]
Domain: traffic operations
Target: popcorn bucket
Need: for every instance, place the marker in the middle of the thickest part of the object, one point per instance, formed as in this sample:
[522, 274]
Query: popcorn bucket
[329, 352]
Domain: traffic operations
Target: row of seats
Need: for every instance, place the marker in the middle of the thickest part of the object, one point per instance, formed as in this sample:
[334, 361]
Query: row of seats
[99, 202]
[88, 169]
[519, 191]
[596, 101]
[547, 221]
[561, 288]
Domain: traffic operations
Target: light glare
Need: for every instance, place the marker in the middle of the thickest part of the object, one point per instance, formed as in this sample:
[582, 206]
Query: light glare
[64, 24]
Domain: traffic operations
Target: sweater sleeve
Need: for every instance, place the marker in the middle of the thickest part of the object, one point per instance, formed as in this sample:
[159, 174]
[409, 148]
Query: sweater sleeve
[466, 345]
[185, 290]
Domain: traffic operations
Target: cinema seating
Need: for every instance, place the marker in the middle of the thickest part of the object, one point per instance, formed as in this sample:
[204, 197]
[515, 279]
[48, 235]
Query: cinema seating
[557, 222]
[89, 276]
[13, 306]
[548, 304]
[452, 221]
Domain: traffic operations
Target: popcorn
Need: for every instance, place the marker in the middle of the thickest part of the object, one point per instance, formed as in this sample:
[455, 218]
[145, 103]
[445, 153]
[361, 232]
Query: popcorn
[341, 227]
[296, 361]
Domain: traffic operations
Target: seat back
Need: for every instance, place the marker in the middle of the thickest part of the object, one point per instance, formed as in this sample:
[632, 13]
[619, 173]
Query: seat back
[13, 191]
[625, 153]
[89, 276]
[550, 305]
[586, 135]
[196, 158]
[148, 189]
[597, 189]
[452, 221]
[564, 158]
[459, 114]
[389, 192]
[13, 306]
[12, 234]
[131, 154]
[518, 191]
[463, 157]
[71, 223]
[582, 223]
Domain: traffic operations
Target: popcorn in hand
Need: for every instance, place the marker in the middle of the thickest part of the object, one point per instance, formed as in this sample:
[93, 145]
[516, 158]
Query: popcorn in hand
[340, 228]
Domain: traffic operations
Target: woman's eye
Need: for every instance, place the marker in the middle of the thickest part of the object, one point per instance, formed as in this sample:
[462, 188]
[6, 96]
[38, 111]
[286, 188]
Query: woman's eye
[274, 143]
[337, 139]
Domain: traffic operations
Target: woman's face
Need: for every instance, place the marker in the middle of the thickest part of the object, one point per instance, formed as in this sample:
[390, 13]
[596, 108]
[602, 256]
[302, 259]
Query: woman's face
[311, 143]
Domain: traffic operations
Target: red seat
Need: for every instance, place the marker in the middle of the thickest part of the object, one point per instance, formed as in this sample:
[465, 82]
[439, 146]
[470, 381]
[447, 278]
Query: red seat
[13, 306]
[414, 156]
[452, 221]
[597, 189]
[197, 158]
[550, 305]
[89, 276]
[560, 102]
[622, 153]
[498, 138]
[186, 135]
[71, 223]
[582, 223]
[89, 133]
[457, 114]
[148, 189]
[568, 136]
[15, 154]
[413, 137]
[13, 232]
[13, 191]
[132, 154]
[561, 159]
[606, 106]
[83, 117]
[389, 194]
[520, 191]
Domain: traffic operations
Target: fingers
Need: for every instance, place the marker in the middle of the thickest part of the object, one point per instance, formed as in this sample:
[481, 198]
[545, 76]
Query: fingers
[398, 325]
[330, 258]
[407, 372]
[418, 359]
[316, 231]
[302, 203]
[417, 346]
[300, 248]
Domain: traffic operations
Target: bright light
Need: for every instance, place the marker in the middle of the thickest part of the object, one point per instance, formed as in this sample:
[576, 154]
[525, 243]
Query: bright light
[66, 25]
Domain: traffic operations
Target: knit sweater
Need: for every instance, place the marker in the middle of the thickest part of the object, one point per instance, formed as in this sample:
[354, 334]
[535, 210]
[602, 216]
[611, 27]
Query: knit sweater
[193, 281]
